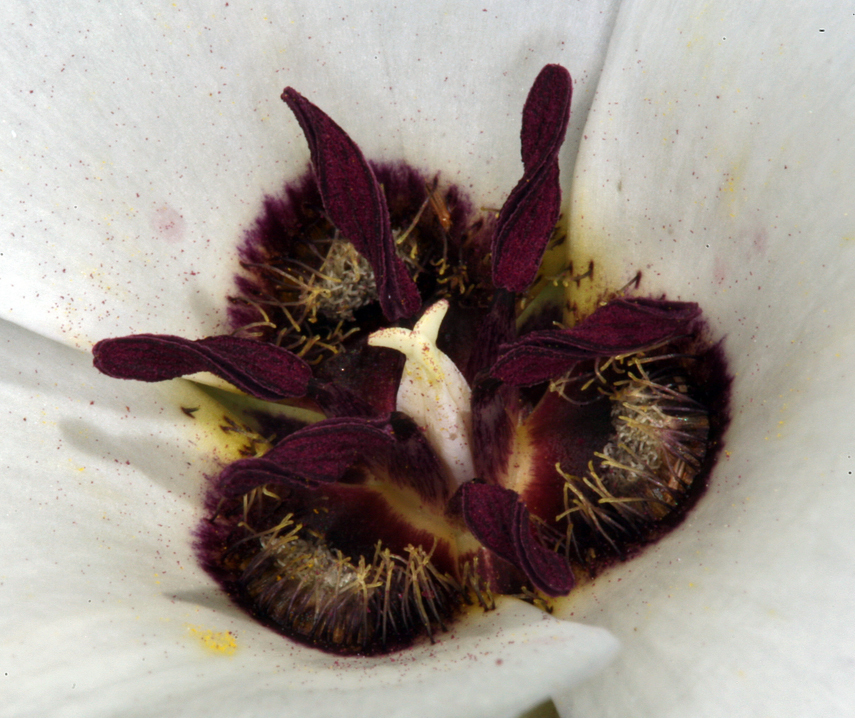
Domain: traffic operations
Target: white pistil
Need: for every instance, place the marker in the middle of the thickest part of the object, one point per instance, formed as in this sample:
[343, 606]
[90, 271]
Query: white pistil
[433, 392]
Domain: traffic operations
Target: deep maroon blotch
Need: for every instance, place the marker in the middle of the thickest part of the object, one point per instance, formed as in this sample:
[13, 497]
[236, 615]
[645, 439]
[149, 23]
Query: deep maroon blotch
[343, 510]
[261, 370]
[350, 519]
[355, 204]
[570, 428]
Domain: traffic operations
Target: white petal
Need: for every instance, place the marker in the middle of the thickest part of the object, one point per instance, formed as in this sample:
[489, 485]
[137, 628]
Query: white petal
[138, 141]
[104, 610]
[719, 161]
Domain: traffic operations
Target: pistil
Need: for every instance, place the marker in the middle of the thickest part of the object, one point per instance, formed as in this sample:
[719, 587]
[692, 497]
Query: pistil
[432, 391]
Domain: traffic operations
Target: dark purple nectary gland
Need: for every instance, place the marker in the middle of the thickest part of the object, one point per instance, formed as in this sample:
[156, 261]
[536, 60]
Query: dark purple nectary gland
[609, 512]
[355, 204]
[307, 588]
[259, 369]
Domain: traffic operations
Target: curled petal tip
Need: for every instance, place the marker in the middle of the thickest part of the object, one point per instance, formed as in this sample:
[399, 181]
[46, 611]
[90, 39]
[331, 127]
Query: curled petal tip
[545, 115]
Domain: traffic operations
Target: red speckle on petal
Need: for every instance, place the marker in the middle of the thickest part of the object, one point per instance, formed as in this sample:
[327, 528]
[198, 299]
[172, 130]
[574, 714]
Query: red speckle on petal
[168, 223]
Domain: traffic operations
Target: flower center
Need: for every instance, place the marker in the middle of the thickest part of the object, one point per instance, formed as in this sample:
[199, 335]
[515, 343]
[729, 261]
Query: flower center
[433, 392]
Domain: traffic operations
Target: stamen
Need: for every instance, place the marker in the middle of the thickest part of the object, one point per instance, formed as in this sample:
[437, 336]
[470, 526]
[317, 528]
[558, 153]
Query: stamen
[433, 392]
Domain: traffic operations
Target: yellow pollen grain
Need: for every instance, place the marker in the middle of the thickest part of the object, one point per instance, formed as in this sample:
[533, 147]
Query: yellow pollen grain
[219, 642]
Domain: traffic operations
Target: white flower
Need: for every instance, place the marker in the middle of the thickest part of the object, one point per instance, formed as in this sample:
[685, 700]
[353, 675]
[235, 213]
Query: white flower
[139, 143]
[717, 159]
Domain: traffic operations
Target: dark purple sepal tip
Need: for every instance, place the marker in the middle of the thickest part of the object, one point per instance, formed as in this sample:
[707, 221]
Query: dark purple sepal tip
[501, 522]
[355, 204]
[623, 326]
[257, 368]
[529, 215]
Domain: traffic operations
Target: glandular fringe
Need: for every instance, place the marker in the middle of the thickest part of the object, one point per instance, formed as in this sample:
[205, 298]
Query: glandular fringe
[314, 593]
[659, 441]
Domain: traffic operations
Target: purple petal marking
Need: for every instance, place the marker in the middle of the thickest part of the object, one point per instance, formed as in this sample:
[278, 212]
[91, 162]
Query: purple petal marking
[622, 326]
[502, 523]
[262, 370]
[531, 211]
[318, 453]
[355, 204]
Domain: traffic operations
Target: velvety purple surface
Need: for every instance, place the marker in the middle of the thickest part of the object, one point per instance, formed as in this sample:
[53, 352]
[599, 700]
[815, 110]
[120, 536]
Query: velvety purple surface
[531, 211]
[501, 522]
[262, 370]
[324, 452]
[355, 204]
[622, 326]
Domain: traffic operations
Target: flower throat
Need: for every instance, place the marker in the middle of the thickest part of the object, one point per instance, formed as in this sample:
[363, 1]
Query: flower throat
[466, 449]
